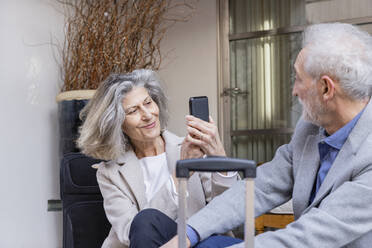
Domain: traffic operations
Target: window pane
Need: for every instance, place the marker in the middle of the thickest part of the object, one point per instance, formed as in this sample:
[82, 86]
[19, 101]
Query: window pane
[262, 68]
[260, 148]
[258, 15]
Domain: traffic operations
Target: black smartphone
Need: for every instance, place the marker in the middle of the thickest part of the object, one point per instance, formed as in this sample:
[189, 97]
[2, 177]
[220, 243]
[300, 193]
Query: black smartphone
[198, 106]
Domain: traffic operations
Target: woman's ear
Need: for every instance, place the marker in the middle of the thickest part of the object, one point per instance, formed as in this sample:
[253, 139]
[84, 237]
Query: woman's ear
[327, 87]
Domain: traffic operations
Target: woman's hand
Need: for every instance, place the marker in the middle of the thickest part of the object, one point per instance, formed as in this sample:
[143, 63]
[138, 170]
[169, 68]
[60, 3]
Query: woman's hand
[204, 135]
[189, 150]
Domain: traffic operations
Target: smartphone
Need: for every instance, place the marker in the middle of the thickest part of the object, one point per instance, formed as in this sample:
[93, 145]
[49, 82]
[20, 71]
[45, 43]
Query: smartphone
[198, 106]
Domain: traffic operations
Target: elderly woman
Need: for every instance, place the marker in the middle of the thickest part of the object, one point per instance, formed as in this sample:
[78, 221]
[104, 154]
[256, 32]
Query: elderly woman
[124, 123]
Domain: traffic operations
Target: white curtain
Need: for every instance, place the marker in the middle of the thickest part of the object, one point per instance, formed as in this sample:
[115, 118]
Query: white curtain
[262, 67]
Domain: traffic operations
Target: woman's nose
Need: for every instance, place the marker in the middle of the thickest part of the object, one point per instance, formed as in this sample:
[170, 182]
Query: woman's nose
[146, 114]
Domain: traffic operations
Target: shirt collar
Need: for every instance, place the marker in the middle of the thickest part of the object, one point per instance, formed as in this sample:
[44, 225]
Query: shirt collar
[338, 139]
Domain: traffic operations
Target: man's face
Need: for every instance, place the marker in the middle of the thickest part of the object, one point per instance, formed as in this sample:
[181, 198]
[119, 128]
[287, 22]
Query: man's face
[305, 89]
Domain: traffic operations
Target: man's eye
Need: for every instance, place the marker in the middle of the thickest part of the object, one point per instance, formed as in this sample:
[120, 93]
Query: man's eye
[148, 102]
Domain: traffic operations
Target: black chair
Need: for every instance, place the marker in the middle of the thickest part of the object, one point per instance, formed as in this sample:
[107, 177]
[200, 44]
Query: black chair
[84, 220]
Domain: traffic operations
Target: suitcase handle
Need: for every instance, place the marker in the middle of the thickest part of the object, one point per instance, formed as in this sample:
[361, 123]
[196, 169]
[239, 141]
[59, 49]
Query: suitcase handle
[215, 164]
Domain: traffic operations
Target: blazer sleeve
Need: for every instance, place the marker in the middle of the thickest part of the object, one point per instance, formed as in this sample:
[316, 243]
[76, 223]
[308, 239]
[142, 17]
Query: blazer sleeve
[227, 210]
[120, 209]
[341, 218]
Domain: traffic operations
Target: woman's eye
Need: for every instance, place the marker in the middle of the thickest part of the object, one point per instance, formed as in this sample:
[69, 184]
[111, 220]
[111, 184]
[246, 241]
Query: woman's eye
[132, 111]
[148, 102]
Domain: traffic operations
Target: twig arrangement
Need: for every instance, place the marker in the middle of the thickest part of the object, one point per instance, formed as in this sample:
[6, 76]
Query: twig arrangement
[114, 36]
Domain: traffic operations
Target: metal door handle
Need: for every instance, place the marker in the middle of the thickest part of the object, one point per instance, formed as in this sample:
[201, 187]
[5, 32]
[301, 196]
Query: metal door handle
[233, 92]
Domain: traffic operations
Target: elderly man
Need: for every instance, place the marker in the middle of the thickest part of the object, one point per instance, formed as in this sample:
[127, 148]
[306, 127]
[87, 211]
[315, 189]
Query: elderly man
[327, 166]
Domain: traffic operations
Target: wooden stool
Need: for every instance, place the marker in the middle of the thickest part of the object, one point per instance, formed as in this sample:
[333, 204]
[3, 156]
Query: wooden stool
[272, 220]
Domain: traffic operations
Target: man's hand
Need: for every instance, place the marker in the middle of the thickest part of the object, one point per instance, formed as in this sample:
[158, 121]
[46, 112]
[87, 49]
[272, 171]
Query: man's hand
[173, 243]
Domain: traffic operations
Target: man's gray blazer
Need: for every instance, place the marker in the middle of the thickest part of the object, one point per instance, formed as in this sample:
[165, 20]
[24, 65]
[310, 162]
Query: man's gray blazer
[339, 216]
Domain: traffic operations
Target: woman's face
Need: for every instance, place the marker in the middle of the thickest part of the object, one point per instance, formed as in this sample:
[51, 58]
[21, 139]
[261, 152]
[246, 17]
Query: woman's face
[142, 116]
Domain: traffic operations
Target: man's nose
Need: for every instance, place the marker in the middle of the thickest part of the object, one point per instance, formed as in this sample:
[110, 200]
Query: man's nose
[294, 90]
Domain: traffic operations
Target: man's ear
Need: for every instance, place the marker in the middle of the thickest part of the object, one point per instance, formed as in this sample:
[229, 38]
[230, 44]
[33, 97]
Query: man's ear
[327, 87]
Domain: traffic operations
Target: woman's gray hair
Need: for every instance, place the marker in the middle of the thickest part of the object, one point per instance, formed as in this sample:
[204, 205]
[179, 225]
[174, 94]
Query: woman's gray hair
[101, 134]
[342, 51]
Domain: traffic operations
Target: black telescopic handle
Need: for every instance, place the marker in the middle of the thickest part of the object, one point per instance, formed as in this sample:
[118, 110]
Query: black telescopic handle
[215, 164]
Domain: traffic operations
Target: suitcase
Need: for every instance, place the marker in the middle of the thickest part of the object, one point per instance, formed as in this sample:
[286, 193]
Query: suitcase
[84, 220]
[216, 164]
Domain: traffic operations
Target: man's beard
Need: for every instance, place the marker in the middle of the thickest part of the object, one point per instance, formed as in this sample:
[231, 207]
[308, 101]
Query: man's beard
[313, 111]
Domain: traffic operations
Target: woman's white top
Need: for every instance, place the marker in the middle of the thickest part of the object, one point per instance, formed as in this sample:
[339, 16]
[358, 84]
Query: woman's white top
[156, 174]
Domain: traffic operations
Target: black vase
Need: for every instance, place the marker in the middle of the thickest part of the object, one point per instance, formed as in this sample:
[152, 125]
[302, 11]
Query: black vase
[69, 122]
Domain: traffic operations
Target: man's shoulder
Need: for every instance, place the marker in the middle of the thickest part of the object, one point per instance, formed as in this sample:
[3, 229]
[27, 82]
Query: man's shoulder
[365, 147]
[303, 130]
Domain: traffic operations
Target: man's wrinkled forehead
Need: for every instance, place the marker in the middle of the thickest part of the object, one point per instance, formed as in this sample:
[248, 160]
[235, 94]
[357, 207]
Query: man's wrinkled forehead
[300, 59]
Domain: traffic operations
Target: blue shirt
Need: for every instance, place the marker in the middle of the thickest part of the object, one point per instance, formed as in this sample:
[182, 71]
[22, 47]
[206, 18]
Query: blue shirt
[329, 148]
[192, 235]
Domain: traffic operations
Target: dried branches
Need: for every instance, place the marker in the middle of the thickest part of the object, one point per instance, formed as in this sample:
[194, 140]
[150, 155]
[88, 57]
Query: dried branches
[114, 36]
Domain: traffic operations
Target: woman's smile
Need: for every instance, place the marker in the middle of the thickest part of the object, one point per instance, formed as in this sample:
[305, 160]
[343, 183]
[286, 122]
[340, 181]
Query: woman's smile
[149, 126]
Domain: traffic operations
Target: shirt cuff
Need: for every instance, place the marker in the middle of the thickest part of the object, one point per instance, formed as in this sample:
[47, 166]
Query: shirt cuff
[192, 235]
[228, 179]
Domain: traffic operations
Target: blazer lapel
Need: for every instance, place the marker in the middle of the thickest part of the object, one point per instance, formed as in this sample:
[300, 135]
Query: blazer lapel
[306, 175]
[172, 149]
[348, 151]
[339, 167]
[131, 170]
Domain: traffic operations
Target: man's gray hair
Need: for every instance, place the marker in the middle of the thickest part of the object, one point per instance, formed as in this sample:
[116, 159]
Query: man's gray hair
[343, 52]
[101, 134]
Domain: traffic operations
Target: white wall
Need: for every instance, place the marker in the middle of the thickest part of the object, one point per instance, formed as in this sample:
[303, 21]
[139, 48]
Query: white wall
[29, 83]
[28, 127]
[190, 68]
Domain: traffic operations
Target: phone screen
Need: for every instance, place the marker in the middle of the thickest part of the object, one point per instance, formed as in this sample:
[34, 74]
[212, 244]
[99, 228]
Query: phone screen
[198, 106]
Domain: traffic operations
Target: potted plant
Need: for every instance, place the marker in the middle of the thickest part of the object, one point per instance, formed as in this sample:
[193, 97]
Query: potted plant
[104, 37]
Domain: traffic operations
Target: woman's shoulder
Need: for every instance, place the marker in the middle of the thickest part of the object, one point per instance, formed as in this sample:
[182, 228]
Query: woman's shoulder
[107, 167]
[116, 164]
